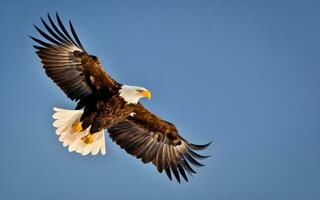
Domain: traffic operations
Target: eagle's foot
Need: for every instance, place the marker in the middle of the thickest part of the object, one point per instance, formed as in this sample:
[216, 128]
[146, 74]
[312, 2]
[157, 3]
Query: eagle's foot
[77, 127]
[88, 139]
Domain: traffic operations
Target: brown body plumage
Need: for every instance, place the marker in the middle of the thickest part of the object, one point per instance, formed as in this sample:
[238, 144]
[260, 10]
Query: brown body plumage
[110, 105]
[108, 113]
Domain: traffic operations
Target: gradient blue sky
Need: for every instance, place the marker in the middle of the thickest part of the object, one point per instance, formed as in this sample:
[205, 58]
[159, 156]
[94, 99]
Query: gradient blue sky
[243, 73]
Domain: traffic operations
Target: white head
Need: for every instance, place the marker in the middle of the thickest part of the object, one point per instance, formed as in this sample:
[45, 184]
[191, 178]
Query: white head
[132, 94]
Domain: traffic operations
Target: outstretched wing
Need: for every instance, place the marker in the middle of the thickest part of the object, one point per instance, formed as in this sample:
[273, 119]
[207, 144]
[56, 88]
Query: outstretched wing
[66, 62]
[151, 139]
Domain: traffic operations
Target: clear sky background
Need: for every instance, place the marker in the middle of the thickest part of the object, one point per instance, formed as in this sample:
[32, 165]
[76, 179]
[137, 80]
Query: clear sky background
[243, 73]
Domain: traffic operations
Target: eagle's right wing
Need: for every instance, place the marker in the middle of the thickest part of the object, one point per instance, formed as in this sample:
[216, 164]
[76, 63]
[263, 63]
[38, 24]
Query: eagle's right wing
[66, 62]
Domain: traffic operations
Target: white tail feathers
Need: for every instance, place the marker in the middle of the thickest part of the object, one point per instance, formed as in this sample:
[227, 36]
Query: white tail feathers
[64, 121]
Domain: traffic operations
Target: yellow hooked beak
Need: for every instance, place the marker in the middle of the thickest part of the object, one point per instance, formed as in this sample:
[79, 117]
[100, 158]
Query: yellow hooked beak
[146, 93]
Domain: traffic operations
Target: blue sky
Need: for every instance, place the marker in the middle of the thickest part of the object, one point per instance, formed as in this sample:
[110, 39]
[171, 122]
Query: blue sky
[243, 73]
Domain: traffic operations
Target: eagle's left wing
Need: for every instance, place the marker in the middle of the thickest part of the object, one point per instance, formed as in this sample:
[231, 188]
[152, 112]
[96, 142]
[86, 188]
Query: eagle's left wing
[152, 139]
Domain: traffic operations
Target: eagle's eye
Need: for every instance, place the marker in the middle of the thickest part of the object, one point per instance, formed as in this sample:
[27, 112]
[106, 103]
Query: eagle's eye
[140, 91]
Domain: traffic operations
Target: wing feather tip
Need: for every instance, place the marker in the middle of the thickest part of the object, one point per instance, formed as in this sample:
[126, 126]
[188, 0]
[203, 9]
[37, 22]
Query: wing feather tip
[200, 146]
[196, 155]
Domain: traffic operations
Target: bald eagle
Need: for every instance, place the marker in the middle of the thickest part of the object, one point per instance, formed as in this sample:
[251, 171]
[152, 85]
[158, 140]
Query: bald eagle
[103, 103]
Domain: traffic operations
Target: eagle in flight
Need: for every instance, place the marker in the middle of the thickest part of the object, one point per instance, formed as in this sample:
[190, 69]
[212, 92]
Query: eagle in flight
[103, 103]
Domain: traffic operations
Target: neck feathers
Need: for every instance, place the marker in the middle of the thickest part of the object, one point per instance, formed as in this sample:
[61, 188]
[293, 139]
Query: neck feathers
[129, 94]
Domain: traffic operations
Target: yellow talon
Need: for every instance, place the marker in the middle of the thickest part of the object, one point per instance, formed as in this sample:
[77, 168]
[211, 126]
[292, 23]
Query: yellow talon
[88, 139]
[77, 127]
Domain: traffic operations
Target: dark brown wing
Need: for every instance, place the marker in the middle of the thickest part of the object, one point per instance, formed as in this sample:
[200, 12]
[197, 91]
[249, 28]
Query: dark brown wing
[67, 63]
[151, 139]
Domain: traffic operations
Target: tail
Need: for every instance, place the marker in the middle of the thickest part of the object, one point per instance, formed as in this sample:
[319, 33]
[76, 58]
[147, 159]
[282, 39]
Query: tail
[67, 124]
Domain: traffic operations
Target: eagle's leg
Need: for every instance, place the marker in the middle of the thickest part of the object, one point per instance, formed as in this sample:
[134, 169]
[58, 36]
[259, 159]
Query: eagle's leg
[88, 139]
[77, 127]
[74, 133]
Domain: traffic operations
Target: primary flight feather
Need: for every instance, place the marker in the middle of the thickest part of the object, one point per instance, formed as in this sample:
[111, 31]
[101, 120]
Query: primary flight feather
[103, 103]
